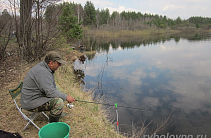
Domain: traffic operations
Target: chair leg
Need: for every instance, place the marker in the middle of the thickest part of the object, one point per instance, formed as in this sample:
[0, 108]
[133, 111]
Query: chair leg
[33, 116]
[45, 115]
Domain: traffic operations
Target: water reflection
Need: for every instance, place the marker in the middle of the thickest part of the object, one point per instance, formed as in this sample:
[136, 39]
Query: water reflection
[169, 75]
[82, 58]
[102, 45]
[79, 73]
[79, 76]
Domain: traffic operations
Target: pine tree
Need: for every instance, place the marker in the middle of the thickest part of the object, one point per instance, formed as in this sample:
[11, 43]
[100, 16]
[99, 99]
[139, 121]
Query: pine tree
[68, 23]
[90, 13]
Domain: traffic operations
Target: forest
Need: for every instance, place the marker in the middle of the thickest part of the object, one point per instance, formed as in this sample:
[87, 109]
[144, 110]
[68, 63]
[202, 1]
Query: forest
[39, 25]
[90, 16]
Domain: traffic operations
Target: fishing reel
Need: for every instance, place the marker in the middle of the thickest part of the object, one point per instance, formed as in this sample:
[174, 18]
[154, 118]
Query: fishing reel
[70, 106]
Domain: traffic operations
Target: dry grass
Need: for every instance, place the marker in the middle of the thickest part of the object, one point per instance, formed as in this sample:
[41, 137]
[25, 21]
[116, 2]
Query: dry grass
[11, 119]
[85, 120]
[129, 33]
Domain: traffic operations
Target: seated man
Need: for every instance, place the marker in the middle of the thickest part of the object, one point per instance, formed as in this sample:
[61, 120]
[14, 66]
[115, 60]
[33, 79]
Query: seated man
[39, 91]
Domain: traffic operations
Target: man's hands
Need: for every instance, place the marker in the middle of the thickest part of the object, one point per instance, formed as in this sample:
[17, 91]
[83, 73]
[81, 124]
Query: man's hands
[70, 99]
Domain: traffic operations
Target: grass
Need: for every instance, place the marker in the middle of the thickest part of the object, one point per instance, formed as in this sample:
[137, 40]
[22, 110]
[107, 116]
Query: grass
[129, 33]
[85, 120]
[141, 34]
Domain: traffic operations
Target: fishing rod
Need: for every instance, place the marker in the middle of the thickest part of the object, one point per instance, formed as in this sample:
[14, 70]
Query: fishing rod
[111, 105]
[117, 123]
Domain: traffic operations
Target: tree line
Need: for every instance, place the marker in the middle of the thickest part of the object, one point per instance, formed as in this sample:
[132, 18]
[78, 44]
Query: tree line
[40, 23]
[92, 17]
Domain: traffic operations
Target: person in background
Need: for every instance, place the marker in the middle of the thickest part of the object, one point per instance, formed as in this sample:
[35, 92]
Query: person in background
[39, 92]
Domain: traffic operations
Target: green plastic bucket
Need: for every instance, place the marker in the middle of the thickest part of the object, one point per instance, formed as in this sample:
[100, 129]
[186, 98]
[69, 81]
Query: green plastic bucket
[55, 130]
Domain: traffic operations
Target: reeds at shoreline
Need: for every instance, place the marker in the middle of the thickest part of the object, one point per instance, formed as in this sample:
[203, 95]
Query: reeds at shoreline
[102, 33]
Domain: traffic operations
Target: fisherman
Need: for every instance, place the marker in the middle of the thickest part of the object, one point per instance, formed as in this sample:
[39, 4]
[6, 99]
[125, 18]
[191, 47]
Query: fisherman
[82, 47]
[39, 91]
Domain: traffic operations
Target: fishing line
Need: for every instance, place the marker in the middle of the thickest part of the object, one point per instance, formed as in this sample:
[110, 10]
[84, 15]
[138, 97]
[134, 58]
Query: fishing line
[117, 123]
[112, 105]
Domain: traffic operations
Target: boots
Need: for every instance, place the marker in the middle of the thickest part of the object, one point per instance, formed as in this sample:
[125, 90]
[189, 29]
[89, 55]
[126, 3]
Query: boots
[54, 118]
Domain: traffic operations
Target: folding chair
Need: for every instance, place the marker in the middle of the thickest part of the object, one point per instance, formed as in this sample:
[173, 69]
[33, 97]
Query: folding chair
[14, 93]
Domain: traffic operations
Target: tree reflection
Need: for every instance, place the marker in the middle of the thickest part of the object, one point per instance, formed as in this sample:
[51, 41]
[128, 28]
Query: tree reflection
[79, 76]
[137, 41]
[79, 73]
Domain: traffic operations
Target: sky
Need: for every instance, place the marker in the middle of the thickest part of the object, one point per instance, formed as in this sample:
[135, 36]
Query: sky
[171, 8]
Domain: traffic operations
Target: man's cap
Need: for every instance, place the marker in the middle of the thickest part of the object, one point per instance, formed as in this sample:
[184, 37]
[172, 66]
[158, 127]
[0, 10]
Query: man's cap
[54, 56]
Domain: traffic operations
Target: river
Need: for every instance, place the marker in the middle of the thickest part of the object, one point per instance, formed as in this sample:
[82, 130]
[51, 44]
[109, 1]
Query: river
[166, 79]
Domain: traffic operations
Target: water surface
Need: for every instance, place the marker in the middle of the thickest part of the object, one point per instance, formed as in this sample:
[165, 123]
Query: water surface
[167, 77]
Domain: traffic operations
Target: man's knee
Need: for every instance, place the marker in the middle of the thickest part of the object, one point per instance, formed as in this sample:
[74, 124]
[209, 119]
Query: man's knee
[58, 105]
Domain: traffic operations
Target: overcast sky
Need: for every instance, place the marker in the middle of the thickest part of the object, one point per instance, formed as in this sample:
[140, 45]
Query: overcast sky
[171, 8]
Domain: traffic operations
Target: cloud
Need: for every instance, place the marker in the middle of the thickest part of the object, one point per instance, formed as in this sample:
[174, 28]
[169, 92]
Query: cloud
[120, 9]
[97, 3]
[102, 3]
[152, 101]
[4, 5]
[175, 8]
[191, 91]
[170, 7]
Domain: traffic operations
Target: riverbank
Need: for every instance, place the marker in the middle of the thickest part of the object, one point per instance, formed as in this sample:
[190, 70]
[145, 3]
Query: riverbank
[145, 33]
[85, 120]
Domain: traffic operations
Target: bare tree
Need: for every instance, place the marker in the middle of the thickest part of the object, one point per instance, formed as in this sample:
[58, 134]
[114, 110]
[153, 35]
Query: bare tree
[35, 35]
[5, 32]
[25, 28]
